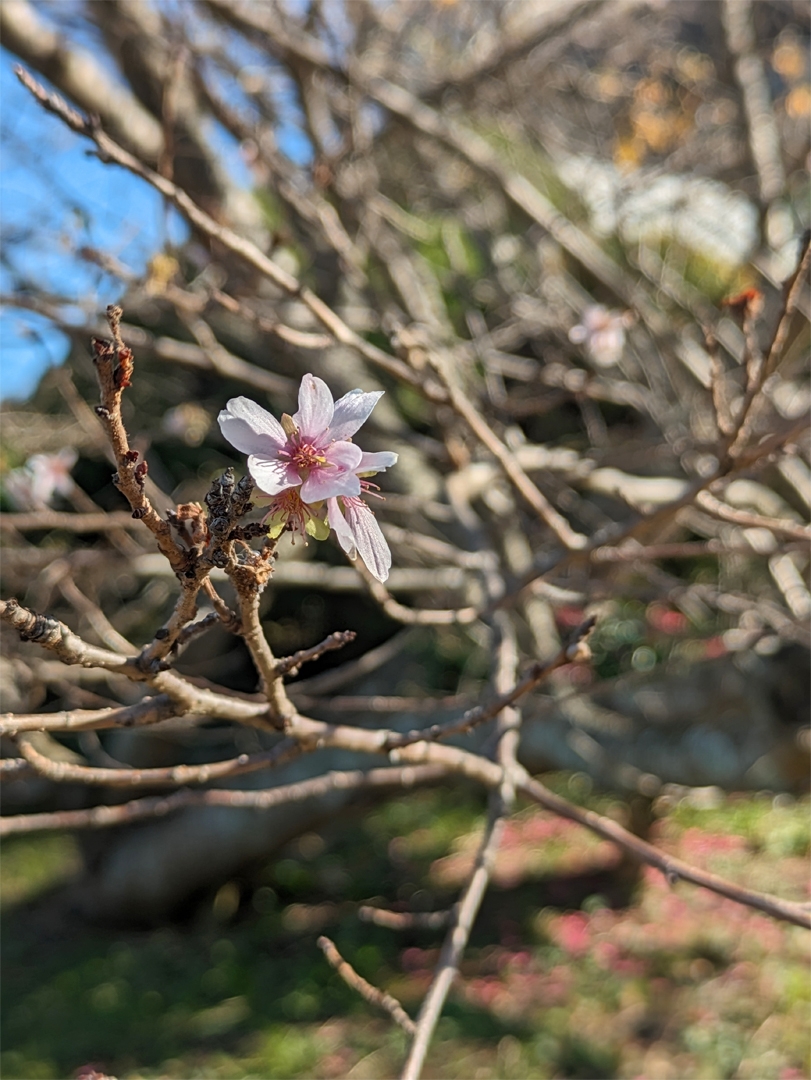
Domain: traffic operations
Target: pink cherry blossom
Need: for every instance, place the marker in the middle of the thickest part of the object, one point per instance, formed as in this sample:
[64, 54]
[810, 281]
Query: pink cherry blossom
[34, 485]
[307, 463]
[602, 332]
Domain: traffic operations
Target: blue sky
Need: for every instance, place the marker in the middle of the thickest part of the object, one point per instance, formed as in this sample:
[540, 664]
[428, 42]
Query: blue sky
[56, 197]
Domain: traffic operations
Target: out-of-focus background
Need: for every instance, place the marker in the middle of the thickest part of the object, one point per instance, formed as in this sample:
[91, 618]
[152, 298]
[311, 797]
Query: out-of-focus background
[561, 194]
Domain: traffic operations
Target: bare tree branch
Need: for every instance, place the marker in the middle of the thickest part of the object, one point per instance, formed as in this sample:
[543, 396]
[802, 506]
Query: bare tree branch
[368, 992]
[76, 72]
[671, 867]
[65, 772]
[103, 817]
[111, 151]
[764, 138]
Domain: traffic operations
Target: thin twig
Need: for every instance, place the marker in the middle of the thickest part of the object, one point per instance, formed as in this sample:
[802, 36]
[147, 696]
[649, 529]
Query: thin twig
[491, 775]
[671, 867]
[405, 920]
[793, 291]
[289, 665]
[227, 617]
[455, 943]
[379, 703]
[66, 772]
[103, 817]
[718, 387]
[753, 397]
[352, 670]
[748, 519]
[372, 994]
[688, 549]
[574, 650]
[501, 802]
[195, 629]
[459, 401]
[413, 616]
[114, 364]
[93, 613]
[149, 711]
[110, 151]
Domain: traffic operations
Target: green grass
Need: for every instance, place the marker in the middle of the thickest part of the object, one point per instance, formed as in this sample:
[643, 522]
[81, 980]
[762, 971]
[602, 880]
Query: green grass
[32, 864]
[556, 982]
[781, 830]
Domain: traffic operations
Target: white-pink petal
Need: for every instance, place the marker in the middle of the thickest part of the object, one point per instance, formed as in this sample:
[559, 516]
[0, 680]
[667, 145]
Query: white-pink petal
[343, 455]
[337, 522]
[379, 462]
[272, 476]
[327, 485]
[315, 408]
[337, 477]
[370, 541]
[352, 411]
[250, 428]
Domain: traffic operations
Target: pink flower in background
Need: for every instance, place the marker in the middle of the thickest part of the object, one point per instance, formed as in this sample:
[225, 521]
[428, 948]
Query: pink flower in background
[572, 933]
[311, 469]
[602, 332]
[33, 485]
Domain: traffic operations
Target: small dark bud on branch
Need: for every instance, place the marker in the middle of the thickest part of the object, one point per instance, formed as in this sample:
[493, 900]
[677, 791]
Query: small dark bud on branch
[249, 531]
[220, 526]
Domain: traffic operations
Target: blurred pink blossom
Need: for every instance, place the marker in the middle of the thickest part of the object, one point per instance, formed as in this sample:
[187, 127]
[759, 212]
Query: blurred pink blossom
[33, 485]
[602, 332]
[572, 933]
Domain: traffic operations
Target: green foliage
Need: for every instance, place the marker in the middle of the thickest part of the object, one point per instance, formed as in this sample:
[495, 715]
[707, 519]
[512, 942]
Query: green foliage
[780, 829]
[36, 863]
[240, 990]
[713, 279]
[529, 161]
[272, 209]
[423, 829]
